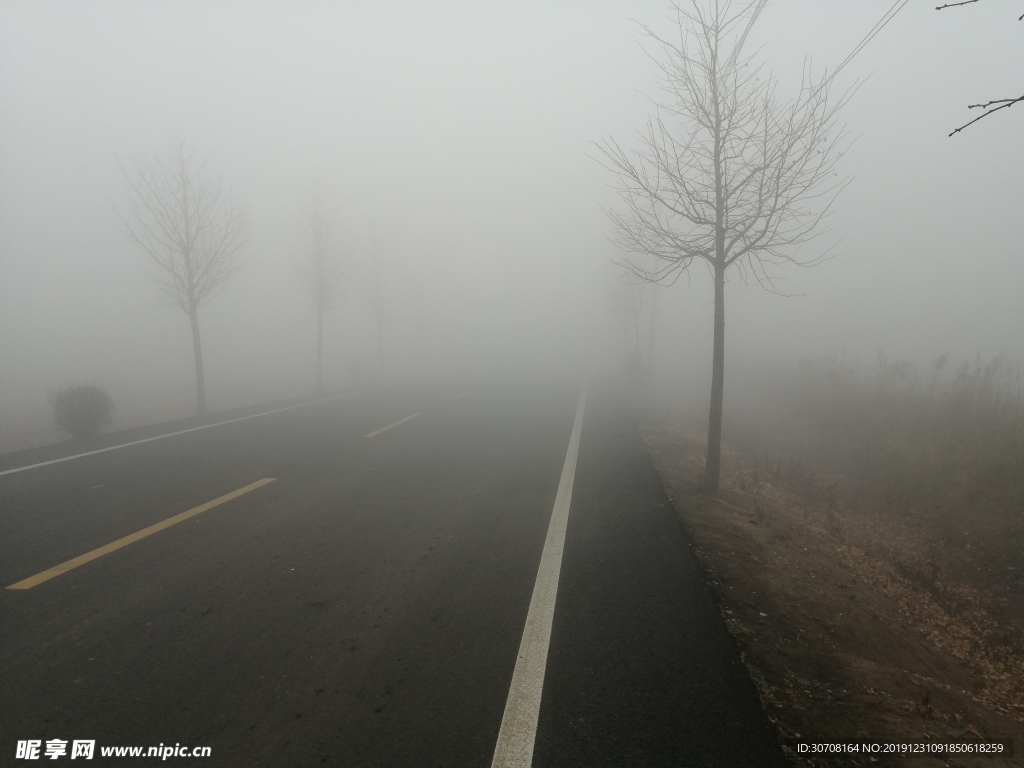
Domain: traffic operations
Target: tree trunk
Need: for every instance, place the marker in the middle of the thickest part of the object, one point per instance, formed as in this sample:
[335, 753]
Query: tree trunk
[636, 323]
[651, 333]
[380, 339]
[319, 352]
[197, 348]
[713, 462]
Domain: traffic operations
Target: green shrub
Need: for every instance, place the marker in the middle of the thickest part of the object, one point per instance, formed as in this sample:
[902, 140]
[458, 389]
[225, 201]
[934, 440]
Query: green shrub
[82, 410]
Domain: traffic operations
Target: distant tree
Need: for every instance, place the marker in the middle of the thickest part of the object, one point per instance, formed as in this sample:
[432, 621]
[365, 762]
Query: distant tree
[636, 306]
[644, 300]
[376, 288]
[652, 333]
[189, 227]
[725, 174]
[81, 410]
[320, 270]
[989, 107]
[622, 310]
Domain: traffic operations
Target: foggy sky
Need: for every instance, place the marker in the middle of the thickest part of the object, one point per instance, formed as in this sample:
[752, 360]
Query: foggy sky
[454, 139]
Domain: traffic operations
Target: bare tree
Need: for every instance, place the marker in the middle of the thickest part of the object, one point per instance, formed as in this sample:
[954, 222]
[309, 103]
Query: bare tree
[725, 173]
[989, 107]
[376, 289]
[188, 225]
[634, 306]
[652, 336]
[644, 297]
[320, 270]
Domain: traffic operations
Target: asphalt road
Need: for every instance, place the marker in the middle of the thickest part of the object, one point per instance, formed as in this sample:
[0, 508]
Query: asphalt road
[366, 606]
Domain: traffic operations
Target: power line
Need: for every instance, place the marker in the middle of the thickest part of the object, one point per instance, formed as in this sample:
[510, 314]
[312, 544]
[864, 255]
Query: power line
[889, 15]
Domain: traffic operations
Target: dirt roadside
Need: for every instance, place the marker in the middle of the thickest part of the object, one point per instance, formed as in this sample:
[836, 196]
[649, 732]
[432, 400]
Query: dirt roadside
[840, 644]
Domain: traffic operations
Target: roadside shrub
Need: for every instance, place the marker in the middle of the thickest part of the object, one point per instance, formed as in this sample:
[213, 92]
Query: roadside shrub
[82, 410]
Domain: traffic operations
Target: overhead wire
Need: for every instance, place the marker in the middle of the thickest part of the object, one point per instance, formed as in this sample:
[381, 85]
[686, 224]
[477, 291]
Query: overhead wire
[889, 15]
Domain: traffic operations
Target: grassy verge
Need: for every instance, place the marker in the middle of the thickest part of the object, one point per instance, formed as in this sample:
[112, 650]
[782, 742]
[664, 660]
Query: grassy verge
[867, 549]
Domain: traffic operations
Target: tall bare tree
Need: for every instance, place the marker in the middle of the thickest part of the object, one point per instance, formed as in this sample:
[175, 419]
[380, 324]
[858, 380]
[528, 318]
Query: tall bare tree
[190, 228]
[725, 173]
[320, 270]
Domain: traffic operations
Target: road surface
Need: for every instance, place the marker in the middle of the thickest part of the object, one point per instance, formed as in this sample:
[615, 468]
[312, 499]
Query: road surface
[347, 582]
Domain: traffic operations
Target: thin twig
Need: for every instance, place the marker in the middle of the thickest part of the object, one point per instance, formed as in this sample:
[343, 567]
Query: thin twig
[1003, 104]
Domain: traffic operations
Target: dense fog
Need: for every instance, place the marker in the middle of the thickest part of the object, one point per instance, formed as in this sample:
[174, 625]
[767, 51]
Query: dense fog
[454, 143]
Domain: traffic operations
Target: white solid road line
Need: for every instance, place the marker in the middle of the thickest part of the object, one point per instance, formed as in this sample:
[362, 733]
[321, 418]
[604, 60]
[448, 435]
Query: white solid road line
[519, 723]
[191, 429]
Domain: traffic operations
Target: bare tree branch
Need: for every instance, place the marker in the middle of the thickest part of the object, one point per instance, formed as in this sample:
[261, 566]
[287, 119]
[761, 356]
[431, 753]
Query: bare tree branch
[775, 171]
[953, 5]
[967, 2]
[1003, 103]
[185, 222]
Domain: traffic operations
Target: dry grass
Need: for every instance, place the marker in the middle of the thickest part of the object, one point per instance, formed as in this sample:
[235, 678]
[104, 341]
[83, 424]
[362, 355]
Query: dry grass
[867, 545]
[917, 484]
[906, 564]
[940, 462]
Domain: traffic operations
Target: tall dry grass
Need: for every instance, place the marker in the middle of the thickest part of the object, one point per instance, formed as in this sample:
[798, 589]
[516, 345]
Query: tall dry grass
[945, 444]
[914, 479]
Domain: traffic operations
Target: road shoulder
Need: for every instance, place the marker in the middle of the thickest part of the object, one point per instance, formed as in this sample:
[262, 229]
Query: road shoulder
[641, 669]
